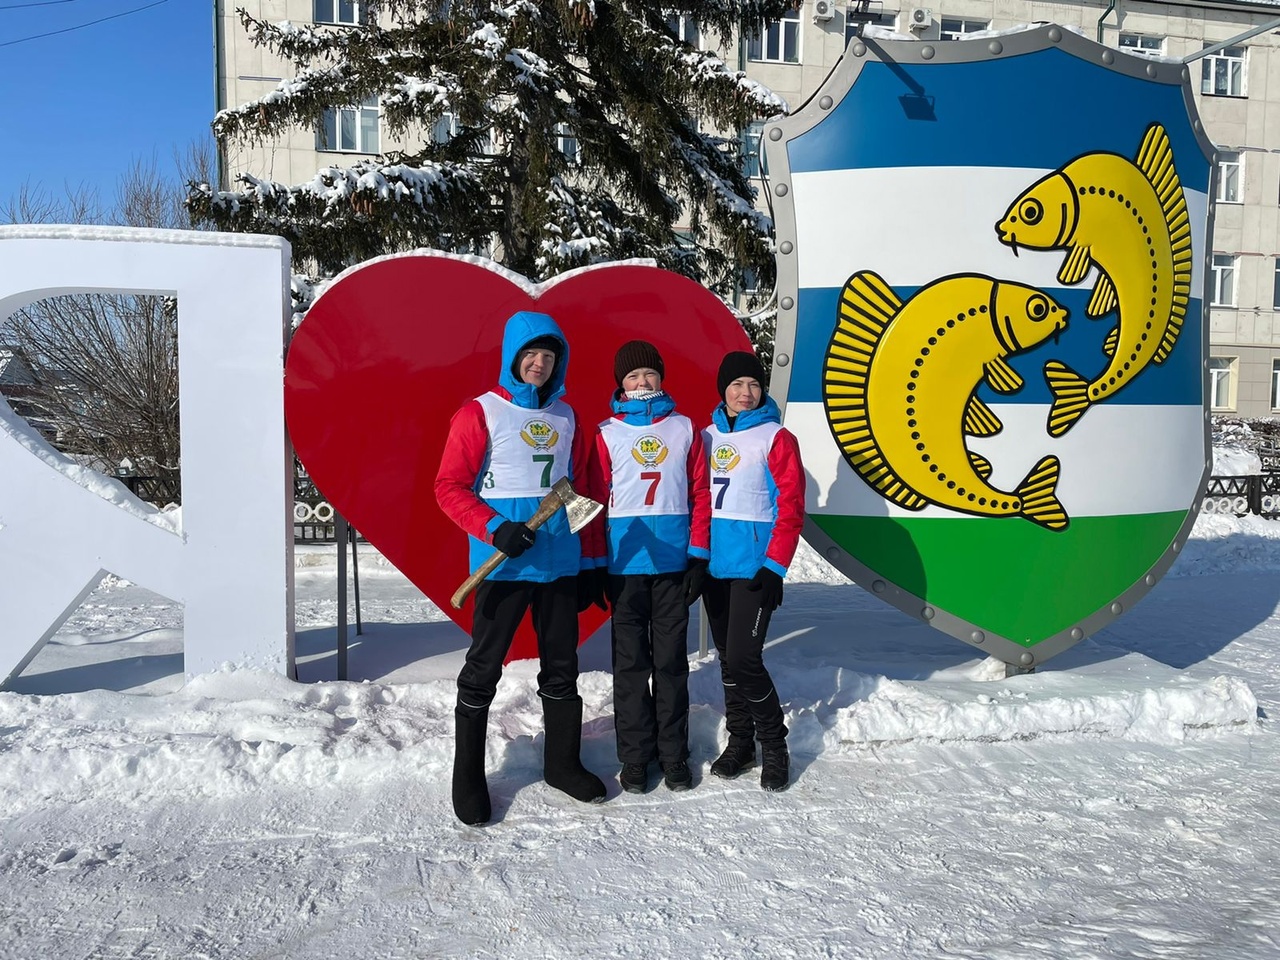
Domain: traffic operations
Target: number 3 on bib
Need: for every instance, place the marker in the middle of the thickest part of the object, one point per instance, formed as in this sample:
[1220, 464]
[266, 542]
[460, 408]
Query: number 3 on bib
[548, 461]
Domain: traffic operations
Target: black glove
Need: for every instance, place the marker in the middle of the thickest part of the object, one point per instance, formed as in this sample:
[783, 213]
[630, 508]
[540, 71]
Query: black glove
[770, 586]
[695, 578]
[513, 538]
[593, 587]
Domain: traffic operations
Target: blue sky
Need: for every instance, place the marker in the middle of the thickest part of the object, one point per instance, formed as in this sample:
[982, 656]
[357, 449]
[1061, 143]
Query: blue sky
[78, 107]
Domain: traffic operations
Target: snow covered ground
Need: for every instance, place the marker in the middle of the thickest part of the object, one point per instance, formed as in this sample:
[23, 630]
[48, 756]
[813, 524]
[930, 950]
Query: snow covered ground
[1124, 801]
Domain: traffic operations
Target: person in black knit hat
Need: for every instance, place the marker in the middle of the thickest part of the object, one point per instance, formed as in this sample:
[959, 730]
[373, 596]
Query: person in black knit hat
[757, 511]
[650, 467]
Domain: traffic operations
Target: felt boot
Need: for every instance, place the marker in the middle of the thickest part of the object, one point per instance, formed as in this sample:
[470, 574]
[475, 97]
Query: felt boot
[470, 791]
[561, 756]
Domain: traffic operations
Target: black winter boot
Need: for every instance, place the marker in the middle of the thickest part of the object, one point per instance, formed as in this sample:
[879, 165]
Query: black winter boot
[561, 753]
[470, 792]
[775, 768]
[738, 756]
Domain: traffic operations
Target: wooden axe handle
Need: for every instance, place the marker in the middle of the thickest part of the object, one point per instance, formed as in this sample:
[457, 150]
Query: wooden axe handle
[546, 509]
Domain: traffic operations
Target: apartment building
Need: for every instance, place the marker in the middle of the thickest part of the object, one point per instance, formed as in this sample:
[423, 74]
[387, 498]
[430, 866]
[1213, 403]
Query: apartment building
[1237, 89]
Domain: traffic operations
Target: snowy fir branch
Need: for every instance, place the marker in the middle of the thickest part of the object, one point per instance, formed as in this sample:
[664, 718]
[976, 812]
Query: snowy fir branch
[578, 132]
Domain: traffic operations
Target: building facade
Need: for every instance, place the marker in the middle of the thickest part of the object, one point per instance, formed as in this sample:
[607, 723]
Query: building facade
[1237, 90]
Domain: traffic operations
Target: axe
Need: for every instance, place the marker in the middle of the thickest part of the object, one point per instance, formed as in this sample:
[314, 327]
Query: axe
[581, 510]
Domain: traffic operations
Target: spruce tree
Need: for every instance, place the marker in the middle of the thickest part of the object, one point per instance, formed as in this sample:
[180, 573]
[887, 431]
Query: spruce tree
[656, 124]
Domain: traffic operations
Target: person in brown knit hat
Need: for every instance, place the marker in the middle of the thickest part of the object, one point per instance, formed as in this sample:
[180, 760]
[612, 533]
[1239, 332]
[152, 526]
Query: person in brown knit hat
[650, 467]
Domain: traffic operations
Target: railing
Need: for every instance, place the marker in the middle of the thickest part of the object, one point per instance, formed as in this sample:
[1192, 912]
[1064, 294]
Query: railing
[1239, 496]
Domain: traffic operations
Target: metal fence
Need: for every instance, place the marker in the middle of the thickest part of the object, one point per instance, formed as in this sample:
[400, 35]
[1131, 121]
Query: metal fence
[1238, 496]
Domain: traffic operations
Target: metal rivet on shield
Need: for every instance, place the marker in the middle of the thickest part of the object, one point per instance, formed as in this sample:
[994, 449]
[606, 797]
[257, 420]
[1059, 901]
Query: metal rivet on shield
[1197, 126]
[859, 49]
[877, 586]
[1117, 608]
[1077, 633]
[1149, 580]
[833, 553]
[1186, 74]
[927, 52]
[780, 190]
[785, 246]
[996, 47]
[825, 103]
[1026, 659]
[1151, 70]
[782, 359]
[927, 613]
[1055, 34]
[775, 133]
[786, 303]
[977, 636]
[1108, 57]
[1177, 545]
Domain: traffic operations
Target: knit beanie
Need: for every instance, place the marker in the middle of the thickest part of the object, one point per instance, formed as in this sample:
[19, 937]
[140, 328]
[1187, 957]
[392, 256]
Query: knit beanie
[740, 363]
[636, 354]
[545, 342]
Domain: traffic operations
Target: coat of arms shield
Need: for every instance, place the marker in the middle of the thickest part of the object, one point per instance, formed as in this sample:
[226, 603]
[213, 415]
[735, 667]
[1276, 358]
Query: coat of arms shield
[992, 335]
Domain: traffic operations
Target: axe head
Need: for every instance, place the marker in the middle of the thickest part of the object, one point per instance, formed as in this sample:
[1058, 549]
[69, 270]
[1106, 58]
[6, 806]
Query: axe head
[580, 510]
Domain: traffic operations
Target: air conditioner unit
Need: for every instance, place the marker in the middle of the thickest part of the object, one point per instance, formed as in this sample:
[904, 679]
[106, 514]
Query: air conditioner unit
[824, 9]
[919, 18]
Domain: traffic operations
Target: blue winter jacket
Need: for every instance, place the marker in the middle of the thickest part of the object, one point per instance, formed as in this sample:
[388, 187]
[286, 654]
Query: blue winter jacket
[647, 544]
[555, 552]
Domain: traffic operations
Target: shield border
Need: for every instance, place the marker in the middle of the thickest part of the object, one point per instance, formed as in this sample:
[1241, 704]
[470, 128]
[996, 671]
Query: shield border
[775, 136]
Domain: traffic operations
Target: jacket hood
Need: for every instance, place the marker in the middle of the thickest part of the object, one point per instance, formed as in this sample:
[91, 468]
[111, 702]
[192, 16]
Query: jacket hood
[767, 412]
[643, 412]
[521, 329]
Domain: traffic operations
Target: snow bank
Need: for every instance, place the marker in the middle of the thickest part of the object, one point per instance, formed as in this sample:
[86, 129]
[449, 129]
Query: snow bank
[1048, 705]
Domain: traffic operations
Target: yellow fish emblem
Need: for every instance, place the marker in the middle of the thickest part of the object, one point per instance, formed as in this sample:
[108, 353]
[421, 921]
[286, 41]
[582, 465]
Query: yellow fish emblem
[899, 385]
[1130, 218]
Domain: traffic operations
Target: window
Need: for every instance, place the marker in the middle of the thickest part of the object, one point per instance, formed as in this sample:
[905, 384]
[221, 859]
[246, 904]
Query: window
[338, 11]
[855, 17]
[684, 27]
[955, 29]
[1275, 294]
[445, 129]
[350, 129]
[778, 41]
[1224, 280]
[1275, 384]
[1222, 73]
[1230, 176]
[753, 163]
[1222, 375]
[567, 143]
[1142, 45]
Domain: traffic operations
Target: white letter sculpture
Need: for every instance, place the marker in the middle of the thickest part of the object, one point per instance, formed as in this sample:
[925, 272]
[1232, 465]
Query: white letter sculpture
[229, 560]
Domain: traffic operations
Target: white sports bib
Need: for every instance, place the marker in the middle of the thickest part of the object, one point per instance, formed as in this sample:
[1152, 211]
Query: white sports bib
[649, 466]
[529, 450]
[739, 472]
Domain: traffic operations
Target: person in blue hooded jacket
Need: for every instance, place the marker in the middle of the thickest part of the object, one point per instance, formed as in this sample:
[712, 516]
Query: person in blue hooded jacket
[757, 513]
[505, 450]
[650, 467]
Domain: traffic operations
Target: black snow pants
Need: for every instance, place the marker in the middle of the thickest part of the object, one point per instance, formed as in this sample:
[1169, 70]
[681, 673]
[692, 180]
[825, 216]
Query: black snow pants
[650, 646]
[500, 606]
[738, 624]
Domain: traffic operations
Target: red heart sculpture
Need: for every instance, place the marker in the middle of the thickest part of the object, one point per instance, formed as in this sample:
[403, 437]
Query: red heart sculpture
[395, 346]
